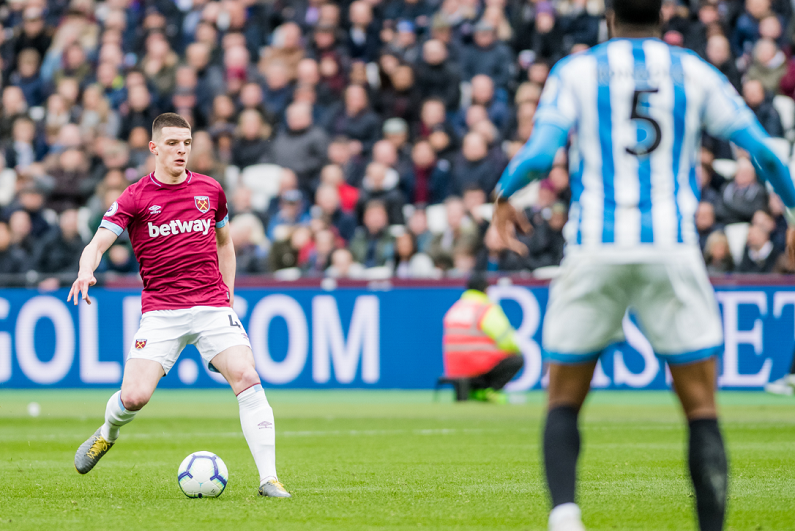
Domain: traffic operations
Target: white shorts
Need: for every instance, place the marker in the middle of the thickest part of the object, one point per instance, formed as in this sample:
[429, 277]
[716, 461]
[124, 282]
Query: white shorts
[164, 333]
[669, 292]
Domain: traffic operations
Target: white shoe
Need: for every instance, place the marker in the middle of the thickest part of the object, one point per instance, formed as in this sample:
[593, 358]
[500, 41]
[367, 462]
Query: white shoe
[782, 386]
[566, 517]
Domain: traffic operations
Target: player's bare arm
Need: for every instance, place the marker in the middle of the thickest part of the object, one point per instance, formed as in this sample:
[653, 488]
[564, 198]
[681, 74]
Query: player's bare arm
[227, 262]
[89, 261]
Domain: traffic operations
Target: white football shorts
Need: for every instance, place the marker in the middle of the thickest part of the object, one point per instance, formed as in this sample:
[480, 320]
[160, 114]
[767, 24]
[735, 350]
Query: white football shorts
[164, 333]
[668, 291]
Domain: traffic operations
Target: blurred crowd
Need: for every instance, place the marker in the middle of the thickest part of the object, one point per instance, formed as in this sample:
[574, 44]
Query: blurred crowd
[357, 139]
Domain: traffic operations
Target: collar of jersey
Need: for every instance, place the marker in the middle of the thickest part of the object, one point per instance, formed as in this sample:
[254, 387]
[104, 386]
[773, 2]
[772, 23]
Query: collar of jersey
[167, 186]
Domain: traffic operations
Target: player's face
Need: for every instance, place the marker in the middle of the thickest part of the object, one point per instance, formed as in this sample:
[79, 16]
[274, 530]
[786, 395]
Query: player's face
[172, 149]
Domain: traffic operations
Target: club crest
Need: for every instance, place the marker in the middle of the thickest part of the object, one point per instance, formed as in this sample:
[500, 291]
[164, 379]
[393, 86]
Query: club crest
[140, 343]
[202, 203]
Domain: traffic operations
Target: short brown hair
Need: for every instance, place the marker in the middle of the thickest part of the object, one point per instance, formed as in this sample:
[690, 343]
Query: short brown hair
[168, 119]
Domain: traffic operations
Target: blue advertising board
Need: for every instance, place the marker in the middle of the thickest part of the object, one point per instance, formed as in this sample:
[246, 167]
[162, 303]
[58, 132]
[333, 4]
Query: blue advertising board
[360, 338]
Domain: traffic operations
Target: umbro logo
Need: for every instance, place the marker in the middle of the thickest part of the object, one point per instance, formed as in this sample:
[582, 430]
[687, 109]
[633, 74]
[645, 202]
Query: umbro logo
[265, 424]
[154, 209]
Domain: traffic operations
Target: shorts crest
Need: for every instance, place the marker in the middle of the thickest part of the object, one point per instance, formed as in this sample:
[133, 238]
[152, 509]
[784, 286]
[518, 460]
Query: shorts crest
[140, 343]
[202, 203]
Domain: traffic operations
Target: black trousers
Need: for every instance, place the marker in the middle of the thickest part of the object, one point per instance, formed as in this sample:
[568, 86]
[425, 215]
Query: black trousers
[500, 375]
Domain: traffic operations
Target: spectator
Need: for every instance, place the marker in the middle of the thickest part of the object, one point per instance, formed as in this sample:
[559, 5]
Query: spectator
[718, 52]
[768, 66]
[327, 200]
[431, 176]
[60, 250]
[483, 95]
[332, 175]
[27, 77]
[459, 232]
[289, 215]
[251, 145]
[34, 35]
[742, 196]
[344, 266]
[302, 146]
[548, 38]
[139, 110]
[705, 223]
[472, 166]
[277, 91]
[717, 254]
[320, 256]
[355, 120]
[418, 227]
[760, 254]
[12, 259]
[286, 48]
[248, 237]
[20, 152]
[762, 104]
[380, 183]
[746, 31]
[13, 106]
[408, 262]
[487, 56]
[437, 76]
[373, 245]
[546, 242]
[292, 250]
[494, 257]
[402, 99]
[362, 38]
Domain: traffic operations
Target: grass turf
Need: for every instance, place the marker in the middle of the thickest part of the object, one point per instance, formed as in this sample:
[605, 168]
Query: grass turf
[358, 460]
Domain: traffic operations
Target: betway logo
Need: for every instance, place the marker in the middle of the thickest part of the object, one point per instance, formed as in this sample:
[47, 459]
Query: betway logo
[176, 226]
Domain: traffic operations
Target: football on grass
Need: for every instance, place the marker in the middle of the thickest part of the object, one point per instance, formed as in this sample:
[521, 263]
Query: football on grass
[202, 475]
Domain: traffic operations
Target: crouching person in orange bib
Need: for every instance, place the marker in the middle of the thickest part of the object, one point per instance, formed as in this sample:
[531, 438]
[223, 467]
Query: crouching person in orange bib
[480, 344]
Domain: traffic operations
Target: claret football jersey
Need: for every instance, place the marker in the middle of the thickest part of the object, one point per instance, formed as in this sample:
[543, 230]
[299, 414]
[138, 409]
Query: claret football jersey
[172, 230]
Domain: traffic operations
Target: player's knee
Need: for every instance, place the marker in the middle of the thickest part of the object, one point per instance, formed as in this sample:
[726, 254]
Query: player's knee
[135, 399]
[250, 377]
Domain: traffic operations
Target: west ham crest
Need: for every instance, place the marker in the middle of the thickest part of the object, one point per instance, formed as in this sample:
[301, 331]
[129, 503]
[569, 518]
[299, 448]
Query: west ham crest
[140, 343]
[202, 203]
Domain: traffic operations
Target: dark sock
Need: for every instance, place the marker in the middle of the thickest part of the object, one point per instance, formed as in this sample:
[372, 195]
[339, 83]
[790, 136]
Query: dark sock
[561, 449]
[709, 471]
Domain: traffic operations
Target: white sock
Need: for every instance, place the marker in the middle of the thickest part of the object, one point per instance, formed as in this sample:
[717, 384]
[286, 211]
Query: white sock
[116, 416]
[256, 418]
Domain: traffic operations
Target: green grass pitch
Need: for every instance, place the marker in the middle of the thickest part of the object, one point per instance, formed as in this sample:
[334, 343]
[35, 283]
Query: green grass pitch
[358, 460]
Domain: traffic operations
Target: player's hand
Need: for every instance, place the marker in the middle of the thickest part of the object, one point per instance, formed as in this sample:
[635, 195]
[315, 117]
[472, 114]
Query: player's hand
[80, 287]
[506, 218]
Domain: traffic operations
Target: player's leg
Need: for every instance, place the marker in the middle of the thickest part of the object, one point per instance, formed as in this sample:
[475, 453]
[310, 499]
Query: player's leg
[695, 385]
[157, 345]
[487, 386]
[677, 311]
[568, 386]
[586, 306]
[236, 364]
[225, 347]
[140, 379]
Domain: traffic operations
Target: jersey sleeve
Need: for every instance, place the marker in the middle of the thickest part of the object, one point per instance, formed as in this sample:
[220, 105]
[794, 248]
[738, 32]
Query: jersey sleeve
[558, 104]
[222, 212]
[120, 213]
[725, 112]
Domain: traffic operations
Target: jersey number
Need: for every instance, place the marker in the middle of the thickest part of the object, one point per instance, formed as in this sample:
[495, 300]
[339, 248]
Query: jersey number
[232, 322]
[636, 115]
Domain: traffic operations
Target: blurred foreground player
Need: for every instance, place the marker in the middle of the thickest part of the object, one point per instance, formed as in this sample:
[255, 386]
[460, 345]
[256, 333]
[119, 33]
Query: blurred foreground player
[178, 226]
[480, 343]
[637, 108]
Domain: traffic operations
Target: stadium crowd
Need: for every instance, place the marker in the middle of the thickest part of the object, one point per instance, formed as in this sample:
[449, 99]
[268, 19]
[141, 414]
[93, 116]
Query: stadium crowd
[354, 139]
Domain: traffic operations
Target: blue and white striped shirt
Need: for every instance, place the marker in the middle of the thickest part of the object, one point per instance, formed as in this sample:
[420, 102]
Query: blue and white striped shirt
[637, 108]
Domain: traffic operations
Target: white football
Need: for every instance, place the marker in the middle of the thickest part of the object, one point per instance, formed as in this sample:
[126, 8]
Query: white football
[202, 475]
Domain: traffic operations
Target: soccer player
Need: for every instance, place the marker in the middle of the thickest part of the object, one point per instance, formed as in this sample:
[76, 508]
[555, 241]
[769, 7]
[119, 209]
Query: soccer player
[636, 107]
[178, 226]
